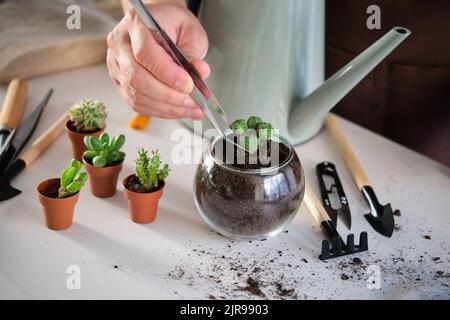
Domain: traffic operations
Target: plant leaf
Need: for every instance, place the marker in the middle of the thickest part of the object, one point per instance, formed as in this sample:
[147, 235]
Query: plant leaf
[99, 161]
[90, 154]
[94, 144]
[119, 141]
[104, 138]
[67, 176]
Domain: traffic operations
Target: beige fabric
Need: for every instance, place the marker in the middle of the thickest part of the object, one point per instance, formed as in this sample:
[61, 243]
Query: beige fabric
[34, 38]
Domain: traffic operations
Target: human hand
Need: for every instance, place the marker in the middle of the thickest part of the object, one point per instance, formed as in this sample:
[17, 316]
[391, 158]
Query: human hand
[144, 73]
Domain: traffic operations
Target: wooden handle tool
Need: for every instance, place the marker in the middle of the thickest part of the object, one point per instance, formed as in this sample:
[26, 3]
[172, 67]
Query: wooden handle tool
[44, 141]
[359, 176]
[14, 103]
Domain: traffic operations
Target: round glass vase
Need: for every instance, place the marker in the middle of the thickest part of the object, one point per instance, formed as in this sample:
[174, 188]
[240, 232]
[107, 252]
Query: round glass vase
[249, 204]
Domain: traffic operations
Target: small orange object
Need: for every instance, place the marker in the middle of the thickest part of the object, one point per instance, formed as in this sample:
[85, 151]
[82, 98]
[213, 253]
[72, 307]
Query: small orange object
[139, 122]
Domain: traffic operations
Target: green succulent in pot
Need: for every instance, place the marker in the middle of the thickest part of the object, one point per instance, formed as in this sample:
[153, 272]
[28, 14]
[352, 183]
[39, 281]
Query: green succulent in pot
[104, 151]
[58, 196]
[103, 161]
[88, 115]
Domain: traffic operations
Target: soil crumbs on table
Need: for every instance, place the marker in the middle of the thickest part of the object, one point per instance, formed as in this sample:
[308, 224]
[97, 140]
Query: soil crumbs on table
[296, 274]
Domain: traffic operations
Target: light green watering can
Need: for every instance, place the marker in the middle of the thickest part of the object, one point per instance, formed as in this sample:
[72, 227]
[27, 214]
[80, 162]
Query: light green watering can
[267, 59]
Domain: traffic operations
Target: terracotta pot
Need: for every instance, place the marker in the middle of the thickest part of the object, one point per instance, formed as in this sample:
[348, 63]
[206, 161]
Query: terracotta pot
[77, 139]
[103, 181]
[142, 206]
[58, 212]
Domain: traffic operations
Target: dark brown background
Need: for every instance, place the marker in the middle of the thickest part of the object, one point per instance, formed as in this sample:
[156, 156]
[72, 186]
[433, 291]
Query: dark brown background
[407, 97]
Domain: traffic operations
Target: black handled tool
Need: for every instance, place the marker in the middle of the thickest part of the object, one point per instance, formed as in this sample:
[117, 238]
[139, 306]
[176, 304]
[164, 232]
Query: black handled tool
[328, 170]
[24, 133]
[338, 247]
[11, 112]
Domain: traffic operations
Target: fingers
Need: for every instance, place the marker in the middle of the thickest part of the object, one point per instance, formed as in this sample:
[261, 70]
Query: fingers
[142, 81]
[202, 68]
[141, 102]
[146, 76]
[155, 59]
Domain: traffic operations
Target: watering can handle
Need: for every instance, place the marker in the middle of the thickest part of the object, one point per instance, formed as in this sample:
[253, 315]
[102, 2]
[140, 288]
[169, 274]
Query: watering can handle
[359, 176]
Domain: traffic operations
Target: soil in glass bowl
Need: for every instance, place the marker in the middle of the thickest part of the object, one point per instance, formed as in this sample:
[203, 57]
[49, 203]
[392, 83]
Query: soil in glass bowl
[247, 200]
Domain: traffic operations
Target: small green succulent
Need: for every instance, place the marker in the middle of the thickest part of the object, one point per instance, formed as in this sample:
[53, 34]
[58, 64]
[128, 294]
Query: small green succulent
[265, 130]
[149, 170]
[254, 131]
[253, 122]
[88, 115]
[104, 151]
[71, 181]
[239, 127]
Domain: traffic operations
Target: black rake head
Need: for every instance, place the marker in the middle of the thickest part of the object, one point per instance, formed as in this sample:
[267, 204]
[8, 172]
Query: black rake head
[339, 248]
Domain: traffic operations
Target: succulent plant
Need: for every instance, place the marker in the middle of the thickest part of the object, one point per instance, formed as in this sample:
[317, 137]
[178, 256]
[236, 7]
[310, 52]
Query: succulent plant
[239, 127]
[254, 131]
[149, 170]
[254, 122]
[88, 115]
[71, 181]
[264, 131]
[104, 151]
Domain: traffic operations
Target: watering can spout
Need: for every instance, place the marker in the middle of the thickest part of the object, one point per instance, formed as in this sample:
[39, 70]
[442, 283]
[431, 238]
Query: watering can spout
[306, 118]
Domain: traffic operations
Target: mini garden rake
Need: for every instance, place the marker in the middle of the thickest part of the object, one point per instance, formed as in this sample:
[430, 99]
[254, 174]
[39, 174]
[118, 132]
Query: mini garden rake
[338, 247]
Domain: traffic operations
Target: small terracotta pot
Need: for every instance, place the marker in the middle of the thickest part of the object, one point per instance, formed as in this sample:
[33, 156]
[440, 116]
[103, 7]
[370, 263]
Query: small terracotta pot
[58, 212]
[142, 206]
[103, 181]
[77, 139]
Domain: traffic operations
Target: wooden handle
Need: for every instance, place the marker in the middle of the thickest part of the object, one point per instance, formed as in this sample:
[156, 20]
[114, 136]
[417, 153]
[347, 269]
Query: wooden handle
[44, 141]
[352, 162]
[315, 206]
[14, 103]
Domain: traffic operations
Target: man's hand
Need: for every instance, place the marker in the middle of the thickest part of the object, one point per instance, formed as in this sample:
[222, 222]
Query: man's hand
[144, 73]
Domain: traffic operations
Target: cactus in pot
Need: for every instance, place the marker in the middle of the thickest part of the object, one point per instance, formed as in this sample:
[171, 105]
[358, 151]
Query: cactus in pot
[85, 118]
[103, 161]
[144, 188]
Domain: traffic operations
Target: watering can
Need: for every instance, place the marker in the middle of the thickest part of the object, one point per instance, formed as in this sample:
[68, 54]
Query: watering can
[267, 59]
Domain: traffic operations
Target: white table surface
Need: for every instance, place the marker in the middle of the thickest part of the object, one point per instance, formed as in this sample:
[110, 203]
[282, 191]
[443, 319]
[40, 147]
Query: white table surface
[179, 257]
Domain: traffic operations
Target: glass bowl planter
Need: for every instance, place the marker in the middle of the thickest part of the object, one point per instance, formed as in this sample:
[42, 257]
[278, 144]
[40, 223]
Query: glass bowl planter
[247, 203]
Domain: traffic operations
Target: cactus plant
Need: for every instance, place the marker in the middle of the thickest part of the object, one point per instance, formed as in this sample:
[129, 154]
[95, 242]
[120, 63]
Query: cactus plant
[104, 152]
[149, 170]
[71, 181]
[88, 115]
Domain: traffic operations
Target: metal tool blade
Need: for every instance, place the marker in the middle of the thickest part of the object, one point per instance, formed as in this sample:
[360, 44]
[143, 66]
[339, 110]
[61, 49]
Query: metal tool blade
[327, 169]
[201, 94]
[6, 137]
[23, 133]
[381, 217]
[6, 190]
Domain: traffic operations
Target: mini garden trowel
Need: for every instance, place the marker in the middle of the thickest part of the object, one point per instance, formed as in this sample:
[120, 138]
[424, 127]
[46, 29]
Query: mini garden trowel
[381, 217]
